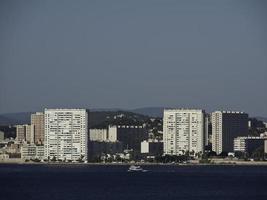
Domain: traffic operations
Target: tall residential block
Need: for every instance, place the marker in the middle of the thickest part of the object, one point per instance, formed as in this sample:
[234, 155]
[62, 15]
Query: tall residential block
[227, 125]
[184, 130]
[20, 133]
[37, 119]
[66, 134]
[29, 133]
[2, 136]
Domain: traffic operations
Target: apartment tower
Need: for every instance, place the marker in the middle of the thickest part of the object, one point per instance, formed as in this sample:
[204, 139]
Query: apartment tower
[37, 119]
[184, 130]
[227, 125]
[66, 134]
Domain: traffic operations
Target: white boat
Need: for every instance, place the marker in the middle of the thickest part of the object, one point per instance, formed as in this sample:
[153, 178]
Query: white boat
[136, 168]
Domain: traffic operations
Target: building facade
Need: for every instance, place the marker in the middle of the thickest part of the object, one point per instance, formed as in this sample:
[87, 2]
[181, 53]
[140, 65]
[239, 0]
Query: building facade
[248, 144]
[29, 133]
[227, 125]
[184, 130]
[37, 120]
[66, 134]
[25, 133]
[98, 148]
[20, 133]
[152, 148]
[98, 135]
[32, 151]
[2, 135]
[130, 136]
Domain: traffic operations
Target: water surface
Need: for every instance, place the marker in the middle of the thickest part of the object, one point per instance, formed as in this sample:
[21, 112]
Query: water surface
[81, 182]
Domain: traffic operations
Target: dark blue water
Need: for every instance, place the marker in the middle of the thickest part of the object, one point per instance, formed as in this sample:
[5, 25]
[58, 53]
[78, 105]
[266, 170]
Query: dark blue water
[71, 182]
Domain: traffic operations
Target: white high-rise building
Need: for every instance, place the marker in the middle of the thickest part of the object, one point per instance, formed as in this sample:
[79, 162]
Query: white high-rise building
[227, 125]
[66, 134]
[184, 130]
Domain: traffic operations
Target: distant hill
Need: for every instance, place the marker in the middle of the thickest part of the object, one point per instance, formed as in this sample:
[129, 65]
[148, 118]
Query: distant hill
[264, 119]
[150, 111]
[105, 109]
[96, 118]
[101, 119]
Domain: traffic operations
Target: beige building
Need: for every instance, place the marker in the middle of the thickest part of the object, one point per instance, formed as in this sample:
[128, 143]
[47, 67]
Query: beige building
[13, 148]
[29, 133]
[37, 119]
[20, 133]
[24, 133]
[98, 135]
[32, 151]
[2, 135]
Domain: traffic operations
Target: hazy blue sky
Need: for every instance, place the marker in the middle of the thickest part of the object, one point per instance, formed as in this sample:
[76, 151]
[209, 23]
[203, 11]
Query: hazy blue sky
[129, 54]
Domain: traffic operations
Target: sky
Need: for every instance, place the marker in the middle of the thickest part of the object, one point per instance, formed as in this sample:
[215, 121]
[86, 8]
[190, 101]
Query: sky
[131, 54]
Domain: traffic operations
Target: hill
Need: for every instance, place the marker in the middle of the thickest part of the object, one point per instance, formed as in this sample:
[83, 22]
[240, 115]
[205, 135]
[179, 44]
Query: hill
[101, 119]
[100, 116]
[96, 118]
[150, 111]
[264, 119]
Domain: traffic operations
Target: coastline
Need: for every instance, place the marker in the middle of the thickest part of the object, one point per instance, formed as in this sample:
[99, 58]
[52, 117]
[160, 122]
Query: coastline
[195, 163]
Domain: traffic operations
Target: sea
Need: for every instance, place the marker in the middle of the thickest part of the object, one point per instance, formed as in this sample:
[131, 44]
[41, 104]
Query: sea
[160, 182]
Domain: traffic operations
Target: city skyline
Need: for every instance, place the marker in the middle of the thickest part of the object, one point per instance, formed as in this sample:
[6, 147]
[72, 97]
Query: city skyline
[143, 99]
[209, 55]
[148, 111]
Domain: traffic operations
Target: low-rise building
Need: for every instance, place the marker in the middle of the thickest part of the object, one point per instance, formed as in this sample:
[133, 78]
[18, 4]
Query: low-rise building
[152, 148]
[98, 135]
[32, 151]
[4, 156]
[96, 149]
[130, 136]
[13, 148]
[263, 135]
[248, 144]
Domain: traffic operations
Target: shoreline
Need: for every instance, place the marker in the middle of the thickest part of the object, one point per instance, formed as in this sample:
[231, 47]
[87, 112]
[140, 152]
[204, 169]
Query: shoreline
[214, 163]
